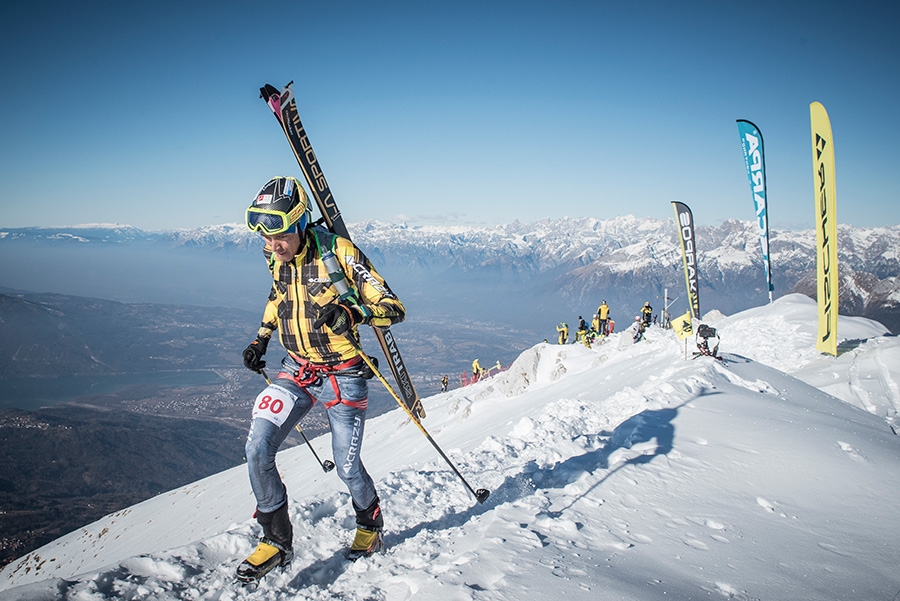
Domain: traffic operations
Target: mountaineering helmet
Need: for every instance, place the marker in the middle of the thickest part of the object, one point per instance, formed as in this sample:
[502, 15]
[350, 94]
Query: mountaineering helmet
[280, 207]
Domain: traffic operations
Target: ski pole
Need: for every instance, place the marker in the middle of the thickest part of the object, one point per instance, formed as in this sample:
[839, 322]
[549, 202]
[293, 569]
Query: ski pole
[327, 465]
[481, 494]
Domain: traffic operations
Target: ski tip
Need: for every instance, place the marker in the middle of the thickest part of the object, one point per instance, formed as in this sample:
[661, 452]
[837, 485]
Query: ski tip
[482, 494]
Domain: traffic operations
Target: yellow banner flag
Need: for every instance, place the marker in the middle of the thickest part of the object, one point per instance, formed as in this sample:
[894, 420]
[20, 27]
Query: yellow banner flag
[826, 229]
[682, 326]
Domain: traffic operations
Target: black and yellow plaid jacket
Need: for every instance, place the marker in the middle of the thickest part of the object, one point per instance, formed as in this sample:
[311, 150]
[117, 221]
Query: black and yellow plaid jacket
[302, 286]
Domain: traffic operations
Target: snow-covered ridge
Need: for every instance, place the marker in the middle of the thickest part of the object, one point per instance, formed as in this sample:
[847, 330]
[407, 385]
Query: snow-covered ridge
[624, 471]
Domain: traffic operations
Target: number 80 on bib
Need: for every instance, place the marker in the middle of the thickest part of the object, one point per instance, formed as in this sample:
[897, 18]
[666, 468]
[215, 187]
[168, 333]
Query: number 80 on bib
[274, 404]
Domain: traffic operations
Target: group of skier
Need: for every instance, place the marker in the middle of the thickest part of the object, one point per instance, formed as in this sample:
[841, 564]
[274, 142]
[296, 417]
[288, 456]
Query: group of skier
[479, 373]
[602, 325]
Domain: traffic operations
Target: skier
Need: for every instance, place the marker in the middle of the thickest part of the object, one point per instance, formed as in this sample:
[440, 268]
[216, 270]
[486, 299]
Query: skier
[582, 329]
[313, 323]
[602, 317]
[646, 313]
[638, 329]
[588, 338]
[444, 382]
[563, 330]
[476, 370]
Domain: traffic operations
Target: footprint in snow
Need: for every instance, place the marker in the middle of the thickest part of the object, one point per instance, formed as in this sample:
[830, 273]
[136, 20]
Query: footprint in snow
[768, 506]
[834, 550]
[696, 544]
[718, 527]
[854, 454]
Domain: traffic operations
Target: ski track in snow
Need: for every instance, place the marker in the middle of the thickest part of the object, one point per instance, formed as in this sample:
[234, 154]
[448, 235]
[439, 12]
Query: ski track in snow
[888, 384]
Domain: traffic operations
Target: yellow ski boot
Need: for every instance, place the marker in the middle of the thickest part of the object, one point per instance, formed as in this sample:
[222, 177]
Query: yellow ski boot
[274, 548]
[267, 556]
[369, 524]
[365, 543]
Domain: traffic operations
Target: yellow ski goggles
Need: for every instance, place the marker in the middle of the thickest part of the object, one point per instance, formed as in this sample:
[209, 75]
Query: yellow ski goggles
[272, 223]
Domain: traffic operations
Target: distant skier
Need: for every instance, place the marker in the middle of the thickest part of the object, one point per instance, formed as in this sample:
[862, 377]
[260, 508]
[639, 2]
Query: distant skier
[646, 313]
[476, 370]
[563, 330]
[637, 333]
[313, 323]
[588, 338]
[582, 329]
[603, 317]
[444, 382]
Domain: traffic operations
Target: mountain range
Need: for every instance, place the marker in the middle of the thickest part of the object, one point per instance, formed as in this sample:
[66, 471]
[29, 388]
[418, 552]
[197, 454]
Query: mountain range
[522, 274]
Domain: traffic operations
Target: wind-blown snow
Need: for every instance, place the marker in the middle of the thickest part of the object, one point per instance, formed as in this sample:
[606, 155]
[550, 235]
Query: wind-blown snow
[618, 472]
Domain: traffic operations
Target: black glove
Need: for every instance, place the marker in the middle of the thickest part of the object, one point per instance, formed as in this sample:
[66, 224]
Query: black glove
[365, 372]
[253, 354]
[339, 317]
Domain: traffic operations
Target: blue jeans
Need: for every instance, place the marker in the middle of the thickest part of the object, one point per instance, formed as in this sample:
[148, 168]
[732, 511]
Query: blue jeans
[347, 429]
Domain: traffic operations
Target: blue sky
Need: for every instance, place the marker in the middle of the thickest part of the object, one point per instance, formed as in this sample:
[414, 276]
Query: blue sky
[462, 112]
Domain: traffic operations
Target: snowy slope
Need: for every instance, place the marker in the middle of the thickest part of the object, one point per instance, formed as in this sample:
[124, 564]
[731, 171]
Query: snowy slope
[618, 472]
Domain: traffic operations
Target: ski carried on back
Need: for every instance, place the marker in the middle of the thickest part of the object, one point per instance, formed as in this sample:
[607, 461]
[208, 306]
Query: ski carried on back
[284, 107]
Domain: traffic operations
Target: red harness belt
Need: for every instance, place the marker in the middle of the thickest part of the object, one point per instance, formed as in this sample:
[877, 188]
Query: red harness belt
[310, 374]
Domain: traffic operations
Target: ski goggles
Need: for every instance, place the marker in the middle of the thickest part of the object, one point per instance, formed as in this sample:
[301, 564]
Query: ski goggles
[272, 223]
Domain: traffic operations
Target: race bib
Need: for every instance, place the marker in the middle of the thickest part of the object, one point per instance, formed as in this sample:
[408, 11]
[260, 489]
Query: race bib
[274, 404]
